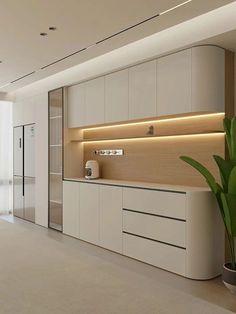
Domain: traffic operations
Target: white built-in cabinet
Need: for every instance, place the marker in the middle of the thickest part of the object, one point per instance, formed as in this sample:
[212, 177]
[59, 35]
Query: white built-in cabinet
[94, 101]
[208, 79]
[86, 103]
[89, 213]
[111, 218]
[71, 199]
[93, 213]
[180, 230]
[142, 90]
[191, 80]
[76, 106]
[117, 96]
[174, 83]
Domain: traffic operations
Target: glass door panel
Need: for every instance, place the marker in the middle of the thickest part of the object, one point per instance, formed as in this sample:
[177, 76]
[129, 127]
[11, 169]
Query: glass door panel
[55, 158]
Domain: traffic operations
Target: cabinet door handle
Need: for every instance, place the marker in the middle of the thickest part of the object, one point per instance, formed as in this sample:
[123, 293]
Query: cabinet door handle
[19, 142]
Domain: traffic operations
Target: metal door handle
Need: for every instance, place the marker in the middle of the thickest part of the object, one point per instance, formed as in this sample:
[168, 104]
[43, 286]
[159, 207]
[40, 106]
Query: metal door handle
[19, 142]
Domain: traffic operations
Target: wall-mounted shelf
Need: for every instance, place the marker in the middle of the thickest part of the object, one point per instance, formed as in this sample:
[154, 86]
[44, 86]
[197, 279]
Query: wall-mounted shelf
[146, 137]
[56, 145]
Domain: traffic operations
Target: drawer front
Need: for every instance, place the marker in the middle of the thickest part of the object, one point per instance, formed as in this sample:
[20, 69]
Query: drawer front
[170, 204]
[158, 254]
[154, 227]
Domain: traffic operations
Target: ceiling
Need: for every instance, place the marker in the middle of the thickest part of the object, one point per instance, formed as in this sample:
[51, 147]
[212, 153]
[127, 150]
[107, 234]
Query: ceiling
[226, 40]
[79, 24]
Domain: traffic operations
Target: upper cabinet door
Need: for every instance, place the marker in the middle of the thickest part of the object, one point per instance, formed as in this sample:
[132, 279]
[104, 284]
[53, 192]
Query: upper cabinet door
[208, 79]
[116, 96]
[94, 101]
[174, 83]
[76, 106]
[142, 90]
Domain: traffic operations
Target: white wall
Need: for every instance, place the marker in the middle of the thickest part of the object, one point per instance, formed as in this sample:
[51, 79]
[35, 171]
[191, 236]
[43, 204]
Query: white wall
[6, 156]
[35, 110]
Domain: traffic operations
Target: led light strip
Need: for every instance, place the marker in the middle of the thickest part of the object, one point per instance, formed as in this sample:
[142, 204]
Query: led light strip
[154, 138]
[102, 40]
[156, 121]
[175, 7]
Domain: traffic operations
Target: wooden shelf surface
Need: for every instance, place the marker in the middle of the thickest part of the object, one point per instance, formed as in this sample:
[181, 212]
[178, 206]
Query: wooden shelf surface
[145, 137]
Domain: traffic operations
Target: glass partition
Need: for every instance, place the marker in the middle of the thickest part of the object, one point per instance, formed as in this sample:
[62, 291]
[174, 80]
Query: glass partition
[55, 103]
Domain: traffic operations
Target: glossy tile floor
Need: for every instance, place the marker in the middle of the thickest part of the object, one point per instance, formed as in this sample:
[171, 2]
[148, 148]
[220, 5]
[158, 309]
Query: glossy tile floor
[45, 272]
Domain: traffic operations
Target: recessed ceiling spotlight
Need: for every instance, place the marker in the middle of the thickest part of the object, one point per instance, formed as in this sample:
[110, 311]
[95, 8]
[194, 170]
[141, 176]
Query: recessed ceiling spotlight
[52, 28]
[43, 34]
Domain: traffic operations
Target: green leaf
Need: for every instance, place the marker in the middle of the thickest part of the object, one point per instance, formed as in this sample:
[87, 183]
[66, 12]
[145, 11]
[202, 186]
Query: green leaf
[204, 172]
[232, 182]
[231, 199]
[225, 167]
[227, 216]
[233, 139]
[227, 128]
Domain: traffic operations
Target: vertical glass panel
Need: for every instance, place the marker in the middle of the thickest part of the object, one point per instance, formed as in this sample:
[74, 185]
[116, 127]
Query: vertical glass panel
[55, 158]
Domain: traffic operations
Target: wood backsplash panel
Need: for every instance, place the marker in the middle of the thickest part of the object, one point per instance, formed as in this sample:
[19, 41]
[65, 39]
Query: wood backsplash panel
[157, 159]
[73, 154]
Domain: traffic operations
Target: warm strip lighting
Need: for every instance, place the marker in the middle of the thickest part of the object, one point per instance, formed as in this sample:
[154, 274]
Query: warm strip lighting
[156, 121]
[175, 7]
[155, 138]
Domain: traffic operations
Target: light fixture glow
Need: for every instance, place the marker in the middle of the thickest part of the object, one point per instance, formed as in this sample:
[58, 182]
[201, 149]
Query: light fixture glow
[5, 85]
[156, 121]
[155, 138]
[91, 46]
[175, 7]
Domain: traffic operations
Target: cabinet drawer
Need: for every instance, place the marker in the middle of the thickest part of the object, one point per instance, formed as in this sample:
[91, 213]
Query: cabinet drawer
[170, 204]
[154, 227]
[155, 253]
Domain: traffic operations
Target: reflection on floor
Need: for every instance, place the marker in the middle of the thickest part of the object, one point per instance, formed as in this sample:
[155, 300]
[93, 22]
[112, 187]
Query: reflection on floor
[9, 218]
[46, 272]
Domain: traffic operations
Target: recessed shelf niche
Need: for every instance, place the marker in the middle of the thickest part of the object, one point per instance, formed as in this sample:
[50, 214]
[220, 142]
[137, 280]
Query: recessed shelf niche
[149, 157]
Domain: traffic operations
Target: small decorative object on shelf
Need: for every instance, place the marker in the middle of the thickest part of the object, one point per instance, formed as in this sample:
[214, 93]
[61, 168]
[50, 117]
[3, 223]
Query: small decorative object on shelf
[150, 130]
[225, 195]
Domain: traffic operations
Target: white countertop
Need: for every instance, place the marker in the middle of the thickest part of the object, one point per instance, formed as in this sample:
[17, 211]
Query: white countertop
[139, 184]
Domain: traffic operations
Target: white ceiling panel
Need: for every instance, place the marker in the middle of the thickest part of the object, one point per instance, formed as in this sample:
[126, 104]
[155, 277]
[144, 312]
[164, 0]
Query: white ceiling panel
[79, 24]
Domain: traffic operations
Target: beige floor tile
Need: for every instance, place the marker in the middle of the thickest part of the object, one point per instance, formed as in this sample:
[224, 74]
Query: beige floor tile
[45, 272]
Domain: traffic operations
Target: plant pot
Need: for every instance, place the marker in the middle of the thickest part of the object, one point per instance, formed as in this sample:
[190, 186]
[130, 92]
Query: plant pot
[229, 277]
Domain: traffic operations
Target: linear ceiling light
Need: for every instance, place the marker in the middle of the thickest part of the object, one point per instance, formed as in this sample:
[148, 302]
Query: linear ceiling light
[175, 7]
[117, 33]
[53, 28]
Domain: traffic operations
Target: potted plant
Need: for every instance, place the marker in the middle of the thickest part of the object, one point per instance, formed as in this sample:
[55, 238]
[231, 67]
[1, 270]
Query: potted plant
[225, 194]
